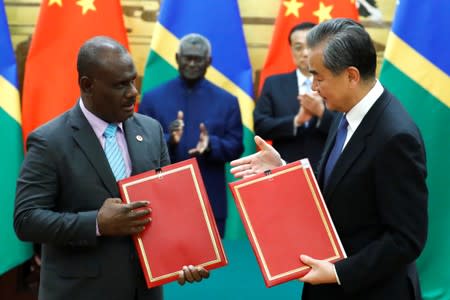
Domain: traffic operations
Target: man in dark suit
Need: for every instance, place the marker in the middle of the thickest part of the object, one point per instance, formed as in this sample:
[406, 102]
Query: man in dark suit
[372, 174]
[288, 112]
[67, 195]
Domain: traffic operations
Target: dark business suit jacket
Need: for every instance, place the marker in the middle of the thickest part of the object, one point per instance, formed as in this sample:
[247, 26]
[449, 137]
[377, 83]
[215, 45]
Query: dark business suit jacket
[274, 120]
[64, 180]
[377, 198]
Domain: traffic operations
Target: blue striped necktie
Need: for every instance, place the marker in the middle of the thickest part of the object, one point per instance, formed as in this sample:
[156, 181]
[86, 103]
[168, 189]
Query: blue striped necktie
[337, 149]
[307, 84]
[113, 153]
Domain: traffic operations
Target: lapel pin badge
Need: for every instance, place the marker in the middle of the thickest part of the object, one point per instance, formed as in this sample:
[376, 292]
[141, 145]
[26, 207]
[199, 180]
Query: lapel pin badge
[139, 138]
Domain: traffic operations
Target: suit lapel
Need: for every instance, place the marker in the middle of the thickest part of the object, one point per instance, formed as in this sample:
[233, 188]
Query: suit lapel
[292, 83]
[353, 149]
[350, 154]
[289, 87]
[327, 149]
[86, 139]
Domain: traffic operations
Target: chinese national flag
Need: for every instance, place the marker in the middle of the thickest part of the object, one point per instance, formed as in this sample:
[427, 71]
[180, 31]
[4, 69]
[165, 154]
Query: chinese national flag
[292, 12]
[50, 83]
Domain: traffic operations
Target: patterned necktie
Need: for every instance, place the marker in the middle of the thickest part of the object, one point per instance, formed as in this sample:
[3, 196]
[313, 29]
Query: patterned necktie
[113, 153]
[337, 148]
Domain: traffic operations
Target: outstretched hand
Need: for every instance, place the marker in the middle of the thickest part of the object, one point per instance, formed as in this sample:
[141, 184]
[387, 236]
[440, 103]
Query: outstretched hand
[267, 158]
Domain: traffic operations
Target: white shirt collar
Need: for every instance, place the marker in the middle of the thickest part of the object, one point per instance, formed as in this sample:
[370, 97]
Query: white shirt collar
[97, 124]
[358, 112]
[300, 80]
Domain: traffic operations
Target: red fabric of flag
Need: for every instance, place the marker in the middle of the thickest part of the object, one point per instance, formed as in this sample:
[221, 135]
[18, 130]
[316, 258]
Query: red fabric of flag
[50, 83]
[291, 13]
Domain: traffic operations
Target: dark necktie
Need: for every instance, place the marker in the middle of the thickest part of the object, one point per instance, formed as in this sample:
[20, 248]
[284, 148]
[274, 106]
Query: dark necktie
[337, 149]
[113, 153]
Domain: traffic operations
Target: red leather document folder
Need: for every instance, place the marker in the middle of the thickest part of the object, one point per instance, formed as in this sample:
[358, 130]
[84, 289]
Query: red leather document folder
[183, 230]
[285, 215]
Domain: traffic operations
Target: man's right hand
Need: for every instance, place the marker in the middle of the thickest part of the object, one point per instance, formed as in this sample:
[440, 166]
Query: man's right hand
[117, 218]
[302, 116]
[266, 159]
[176, 129]
[313, 104]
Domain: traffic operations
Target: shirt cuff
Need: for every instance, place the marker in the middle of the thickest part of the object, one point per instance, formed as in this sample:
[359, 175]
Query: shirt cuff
[306, 125]
[319, 120]
[97, 231]
[335, 273]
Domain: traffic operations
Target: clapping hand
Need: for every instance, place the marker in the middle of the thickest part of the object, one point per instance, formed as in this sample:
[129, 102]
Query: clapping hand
[176, 128]
[302, 116]
[312, 103]
[203, 142]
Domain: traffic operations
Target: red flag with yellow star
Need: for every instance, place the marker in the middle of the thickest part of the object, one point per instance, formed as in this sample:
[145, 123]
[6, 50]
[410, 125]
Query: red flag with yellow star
[292, 12]
[50, 83]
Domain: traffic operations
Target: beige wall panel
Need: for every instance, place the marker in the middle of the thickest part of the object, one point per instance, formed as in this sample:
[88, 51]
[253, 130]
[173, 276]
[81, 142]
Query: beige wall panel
[259, 8]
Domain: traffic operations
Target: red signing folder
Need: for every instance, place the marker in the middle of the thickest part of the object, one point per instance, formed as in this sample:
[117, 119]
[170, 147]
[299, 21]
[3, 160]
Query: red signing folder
[183, 230]
[285, 215]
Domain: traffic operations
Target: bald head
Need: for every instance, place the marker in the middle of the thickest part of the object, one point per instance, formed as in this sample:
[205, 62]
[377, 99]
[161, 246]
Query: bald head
[106, 76]
[96, 52]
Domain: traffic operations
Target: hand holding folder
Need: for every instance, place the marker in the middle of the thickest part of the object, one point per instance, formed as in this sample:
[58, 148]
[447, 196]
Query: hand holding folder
[116, 219]
[182, 234]
[284, 215]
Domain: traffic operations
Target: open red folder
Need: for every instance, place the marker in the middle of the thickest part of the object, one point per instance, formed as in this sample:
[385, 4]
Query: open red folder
[285, 216]
[183, 230]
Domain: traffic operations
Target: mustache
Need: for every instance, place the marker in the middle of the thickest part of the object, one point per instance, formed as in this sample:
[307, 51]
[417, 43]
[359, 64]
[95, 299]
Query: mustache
[130, 101]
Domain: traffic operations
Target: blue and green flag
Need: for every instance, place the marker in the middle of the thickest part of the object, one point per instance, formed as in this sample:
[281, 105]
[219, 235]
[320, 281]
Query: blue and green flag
[12, 251]
[416, 69]
[220, 22]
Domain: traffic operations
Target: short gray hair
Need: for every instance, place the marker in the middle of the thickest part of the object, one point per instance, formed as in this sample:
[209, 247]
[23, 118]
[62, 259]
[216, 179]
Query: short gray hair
[346, 43]
[195, 39]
